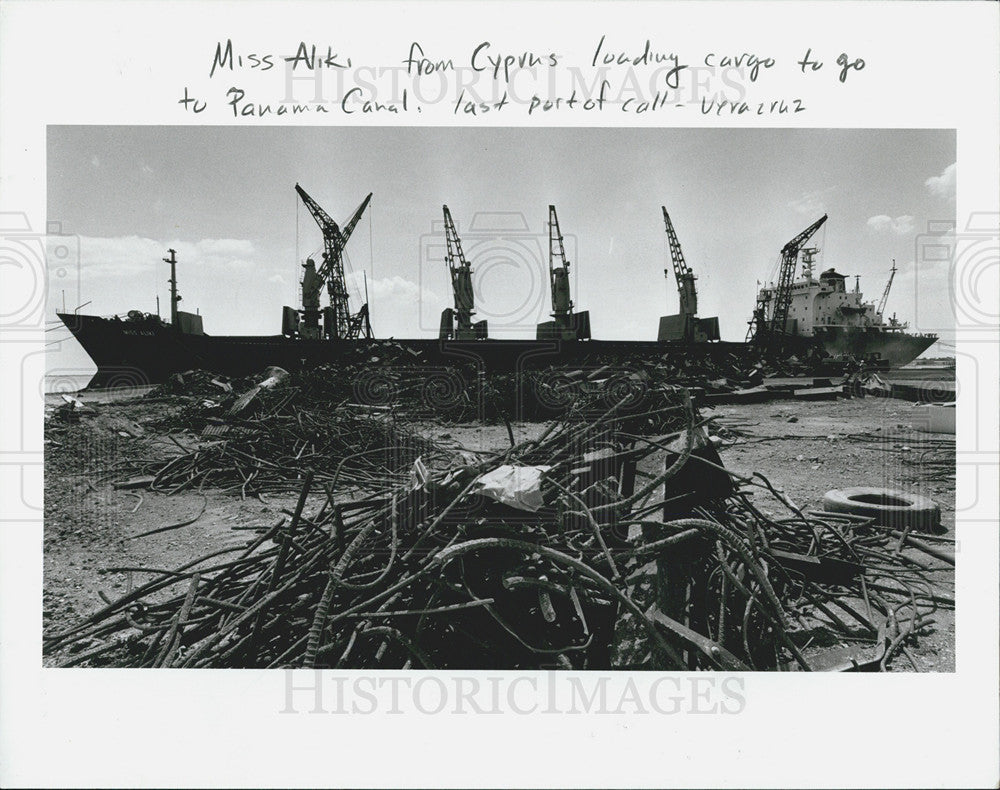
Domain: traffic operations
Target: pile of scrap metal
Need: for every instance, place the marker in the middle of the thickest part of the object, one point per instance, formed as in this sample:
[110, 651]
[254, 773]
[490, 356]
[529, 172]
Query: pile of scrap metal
[71, 409]
[394, 380]
[594, 546]
[390, 376]
[268, 438]
[194, 383]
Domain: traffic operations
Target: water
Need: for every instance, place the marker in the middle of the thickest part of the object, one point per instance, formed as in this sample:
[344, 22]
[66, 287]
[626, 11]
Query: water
[66, 382]
[57, 385]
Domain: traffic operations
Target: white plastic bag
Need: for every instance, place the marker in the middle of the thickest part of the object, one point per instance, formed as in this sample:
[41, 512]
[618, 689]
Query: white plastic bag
[517, 486]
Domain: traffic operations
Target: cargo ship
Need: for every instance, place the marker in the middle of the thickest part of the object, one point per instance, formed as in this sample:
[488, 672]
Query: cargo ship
[811, 313]
[142, 348]
[839, 321]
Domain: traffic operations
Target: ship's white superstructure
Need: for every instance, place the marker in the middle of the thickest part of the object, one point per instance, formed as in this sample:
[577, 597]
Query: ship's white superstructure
[826, 302]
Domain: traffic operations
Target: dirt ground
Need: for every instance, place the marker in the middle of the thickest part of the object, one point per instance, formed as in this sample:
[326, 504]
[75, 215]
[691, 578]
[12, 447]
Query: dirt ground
[804, 449]
[841, 444]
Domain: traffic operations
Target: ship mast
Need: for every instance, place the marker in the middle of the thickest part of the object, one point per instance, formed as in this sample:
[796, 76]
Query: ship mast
[808, 263]
[174, 296]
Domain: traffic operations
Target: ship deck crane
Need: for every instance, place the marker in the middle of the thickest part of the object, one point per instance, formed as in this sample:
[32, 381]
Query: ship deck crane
[888, 285]
[456, 323]
[565, 324]
[782, 292]
[339, 323]
[562, 304]
[685, 325]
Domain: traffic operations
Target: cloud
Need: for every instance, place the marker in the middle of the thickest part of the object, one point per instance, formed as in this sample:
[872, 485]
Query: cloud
[224, 247]
[811, 203]
[122, 256]
[391, 289]
[145, 169]
[276, 278]
[399, 307]
[901, 226]
[944, 184]
[95, 161]
[920, 268]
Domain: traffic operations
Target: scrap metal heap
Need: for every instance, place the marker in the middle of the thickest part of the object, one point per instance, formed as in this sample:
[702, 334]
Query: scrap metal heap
[456, 323]
[615, 539]
[686, 325]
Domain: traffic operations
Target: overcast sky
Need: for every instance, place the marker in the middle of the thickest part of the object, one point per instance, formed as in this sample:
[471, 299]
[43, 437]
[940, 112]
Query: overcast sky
[224, 198]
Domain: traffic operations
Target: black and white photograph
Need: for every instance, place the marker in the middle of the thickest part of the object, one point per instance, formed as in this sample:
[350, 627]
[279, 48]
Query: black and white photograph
[540, 394]
[445, 410]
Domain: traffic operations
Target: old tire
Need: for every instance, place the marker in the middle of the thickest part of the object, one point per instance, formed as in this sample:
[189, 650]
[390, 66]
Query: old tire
[891, 508]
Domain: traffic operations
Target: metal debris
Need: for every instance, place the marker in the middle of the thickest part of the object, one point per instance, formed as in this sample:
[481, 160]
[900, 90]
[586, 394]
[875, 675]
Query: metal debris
[621, 566]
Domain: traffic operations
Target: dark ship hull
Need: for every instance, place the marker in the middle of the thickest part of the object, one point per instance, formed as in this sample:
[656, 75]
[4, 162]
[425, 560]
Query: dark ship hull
[893, 347]
[148, 351]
